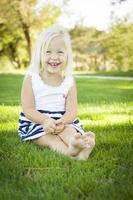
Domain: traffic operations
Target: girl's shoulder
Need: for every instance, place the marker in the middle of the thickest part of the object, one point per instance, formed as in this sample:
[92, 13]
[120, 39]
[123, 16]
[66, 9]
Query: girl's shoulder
[30, 76]
[35, 78]
[68, 81]
[68, 78]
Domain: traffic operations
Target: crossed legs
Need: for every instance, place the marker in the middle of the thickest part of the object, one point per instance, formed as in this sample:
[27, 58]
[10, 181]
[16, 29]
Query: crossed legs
[69, 143]
[53, 142]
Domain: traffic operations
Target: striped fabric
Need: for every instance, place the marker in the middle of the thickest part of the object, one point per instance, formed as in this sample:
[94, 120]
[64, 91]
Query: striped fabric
[29, 130]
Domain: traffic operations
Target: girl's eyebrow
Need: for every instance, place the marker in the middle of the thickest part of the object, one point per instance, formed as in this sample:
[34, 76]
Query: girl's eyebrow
[61, 50]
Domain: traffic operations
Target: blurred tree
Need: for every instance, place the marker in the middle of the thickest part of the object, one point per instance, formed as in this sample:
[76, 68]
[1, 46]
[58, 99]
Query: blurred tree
[20, 19]
[87, 46]
[13, 46]
[9, 45]
[100, 50]
[113, 2]
[119, 45]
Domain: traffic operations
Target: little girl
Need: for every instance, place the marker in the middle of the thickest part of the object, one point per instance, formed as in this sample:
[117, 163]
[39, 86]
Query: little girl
[49, 98]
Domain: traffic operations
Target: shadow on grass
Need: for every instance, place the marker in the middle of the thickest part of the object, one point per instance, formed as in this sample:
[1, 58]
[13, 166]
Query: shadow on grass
[107, 172]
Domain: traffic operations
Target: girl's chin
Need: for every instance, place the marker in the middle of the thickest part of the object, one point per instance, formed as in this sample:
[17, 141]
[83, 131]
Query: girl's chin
[54, 70]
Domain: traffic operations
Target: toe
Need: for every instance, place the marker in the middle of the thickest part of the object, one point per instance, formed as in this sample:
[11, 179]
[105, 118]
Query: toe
[86, 139]
[87, 146]
[90, 134]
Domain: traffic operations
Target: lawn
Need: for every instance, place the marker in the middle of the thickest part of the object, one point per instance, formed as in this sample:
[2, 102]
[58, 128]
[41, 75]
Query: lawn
[30, 173]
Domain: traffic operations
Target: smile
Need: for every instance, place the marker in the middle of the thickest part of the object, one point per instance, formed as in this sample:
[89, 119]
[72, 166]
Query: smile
[54, 64]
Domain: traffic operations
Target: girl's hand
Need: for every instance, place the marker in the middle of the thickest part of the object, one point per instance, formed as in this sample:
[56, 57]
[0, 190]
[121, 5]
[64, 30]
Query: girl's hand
[59, 126]
[49, 125]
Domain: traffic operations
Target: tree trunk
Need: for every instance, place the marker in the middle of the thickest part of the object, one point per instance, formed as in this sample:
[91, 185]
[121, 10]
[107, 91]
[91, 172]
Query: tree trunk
[16, 64]
[13, 57]
[26, 31]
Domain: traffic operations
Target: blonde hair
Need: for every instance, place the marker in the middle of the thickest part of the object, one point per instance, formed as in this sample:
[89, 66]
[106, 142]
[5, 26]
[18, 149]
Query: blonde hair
[42, 43]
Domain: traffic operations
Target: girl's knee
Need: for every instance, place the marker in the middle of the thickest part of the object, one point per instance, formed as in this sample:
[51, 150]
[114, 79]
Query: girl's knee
[70, 129]
[43, 140]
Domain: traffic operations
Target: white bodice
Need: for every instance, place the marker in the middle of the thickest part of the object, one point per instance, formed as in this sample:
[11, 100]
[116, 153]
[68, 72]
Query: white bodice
[49, 97]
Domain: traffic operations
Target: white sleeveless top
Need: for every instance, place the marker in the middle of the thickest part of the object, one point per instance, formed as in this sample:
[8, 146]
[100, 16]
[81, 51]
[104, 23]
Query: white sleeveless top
[51, 98]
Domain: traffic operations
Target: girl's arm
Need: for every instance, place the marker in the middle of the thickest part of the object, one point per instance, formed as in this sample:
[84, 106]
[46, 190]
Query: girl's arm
[28, 103]
[71, 106]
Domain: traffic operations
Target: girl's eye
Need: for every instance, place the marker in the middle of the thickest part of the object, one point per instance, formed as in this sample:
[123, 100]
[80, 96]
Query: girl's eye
[48, 52]
[60, 52]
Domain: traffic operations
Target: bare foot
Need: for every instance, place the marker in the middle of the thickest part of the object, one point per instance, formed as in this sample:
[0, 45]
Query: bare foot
[78, 143]
[84, 154]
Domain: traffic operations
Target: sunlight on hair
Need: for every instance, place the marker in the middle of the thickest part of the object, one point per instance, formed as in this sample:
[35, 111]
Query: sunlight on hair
[43, 42]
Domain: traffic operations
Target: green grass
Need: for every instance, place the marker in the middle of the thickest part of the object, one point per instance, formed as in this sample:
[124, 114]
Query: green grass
[109, 73]
[30, 173]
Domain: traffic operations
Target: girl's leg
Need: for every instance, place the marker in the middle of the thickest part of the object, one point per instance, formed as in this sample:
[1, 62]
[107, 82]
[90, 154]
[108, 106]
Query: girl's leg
[68, 142]
[53, 142]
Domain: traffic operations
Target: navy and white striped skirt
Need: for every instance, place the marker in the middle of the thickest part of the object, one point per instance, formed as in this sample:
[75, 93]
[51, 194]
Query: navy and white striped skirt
[29, 130]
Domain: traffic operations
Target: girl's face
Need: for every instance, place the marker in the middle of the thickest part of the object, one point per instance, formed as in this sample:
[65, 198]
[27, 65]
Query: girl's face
[55, 57]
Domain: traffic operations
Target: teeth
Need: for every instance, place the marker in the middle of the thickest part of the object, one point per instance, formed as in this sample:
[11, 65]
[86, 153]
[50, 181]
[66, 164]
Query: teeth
[54, 64]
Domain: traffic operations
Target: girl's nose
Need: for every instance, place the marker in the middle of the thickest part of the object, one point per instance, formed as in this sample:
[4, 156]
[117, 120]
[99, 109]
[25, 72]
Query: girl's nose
[54, 56]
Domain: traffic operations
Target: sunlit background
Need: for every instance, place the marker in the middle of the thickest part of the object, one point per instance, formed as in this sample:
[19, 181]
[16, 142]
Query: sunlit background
[101, 32]
[90, 13]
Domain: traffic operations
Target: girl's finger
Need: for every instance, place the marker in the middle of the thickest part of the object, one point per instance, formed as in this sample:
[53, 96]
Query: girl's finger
[50, 130]
[58, 121]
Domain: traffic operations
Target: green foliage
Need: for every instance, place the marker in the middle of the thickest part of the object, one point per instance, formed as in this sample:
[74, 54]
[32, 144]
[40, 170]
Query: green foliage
[99, 50]
[20, 24]
[12, 45]
[84, 39]
[28, 172]
[87, 47]
[93, 49]
[119, 46]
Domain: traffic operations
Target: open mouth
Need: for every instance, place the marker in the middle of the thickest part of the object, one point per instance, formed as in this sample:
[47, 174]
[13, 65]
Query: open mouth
[54, 65]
